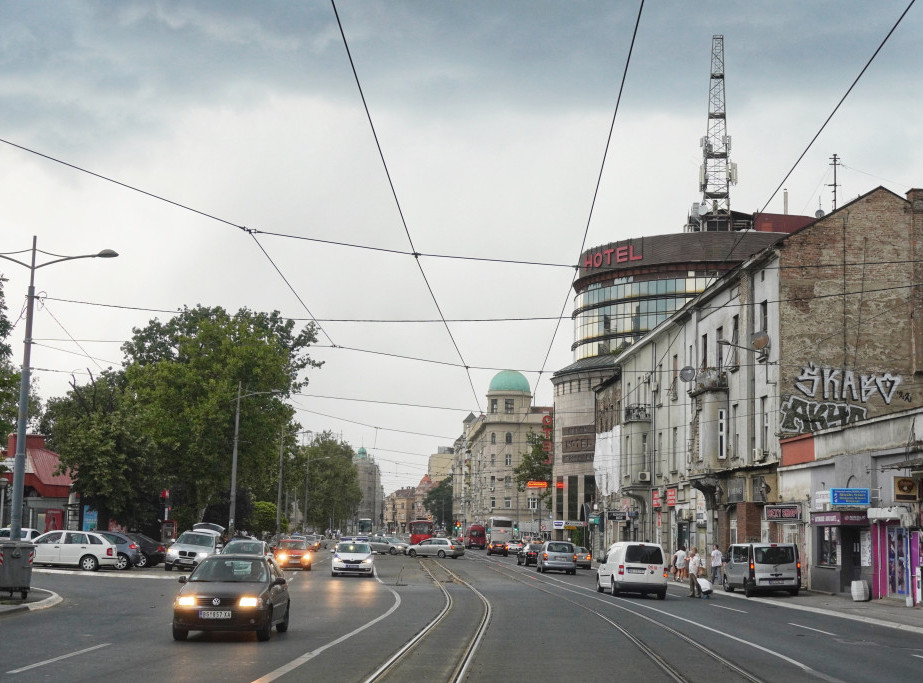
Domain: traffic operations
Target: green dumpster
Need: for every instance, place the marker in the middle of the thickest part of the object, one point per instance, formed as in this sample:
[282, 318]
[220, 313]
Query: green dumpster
[16, 567]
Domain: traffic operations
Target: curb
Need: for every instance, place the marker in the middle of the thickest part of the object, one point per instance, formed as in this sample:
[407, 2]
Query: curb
[52, 600]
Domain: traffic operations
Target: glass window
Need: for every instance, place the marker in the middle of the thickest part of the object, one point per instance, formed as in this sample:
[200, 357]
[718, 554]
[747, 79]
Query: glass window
[509, 460]
[508, 406]
[508, 502]
[493, 437]
[509, 437]
[828, 546]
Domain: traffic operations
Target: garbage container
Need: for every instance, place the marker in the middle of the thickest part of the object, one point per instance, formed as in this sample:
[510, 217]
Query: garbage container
[16, 567]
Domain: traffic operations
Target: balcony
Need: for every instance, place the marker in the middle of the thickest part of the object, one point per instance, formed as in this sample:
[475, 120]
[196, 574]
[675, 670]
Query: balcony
[709, 379]
[638, 412]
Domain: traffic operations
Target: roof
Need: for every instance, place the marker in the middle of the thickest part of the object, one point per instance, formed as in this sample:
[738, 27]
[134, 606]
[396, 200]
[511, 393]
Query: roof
[41, 467]
[509, 380]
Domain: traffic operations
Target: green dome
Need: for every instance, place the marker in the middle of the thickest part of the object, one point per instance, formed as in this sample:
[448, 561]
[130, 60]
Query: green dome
[362, 453]
[509, 380]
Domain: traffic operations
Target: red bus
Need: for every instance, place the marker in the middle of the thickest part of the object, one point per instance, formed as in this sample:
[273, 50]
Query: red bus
[419, 530]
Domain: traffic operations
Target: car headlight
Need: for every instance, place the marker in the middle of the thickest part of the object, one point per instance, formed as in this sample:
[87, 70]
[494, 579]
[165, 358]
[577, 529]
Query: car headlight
[367, 560]
[248, 601]
[202, 555]
[282, 557]
[185, 601]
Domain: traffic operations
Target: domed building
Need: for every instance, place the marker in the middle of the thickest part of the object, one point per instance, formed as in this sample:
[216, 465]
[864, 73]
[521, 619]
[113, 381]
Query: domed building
[491, 448]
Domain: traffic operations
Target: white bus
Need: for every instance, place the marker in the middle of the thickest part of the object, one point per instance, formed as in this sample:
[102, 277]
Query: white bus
[499, 529]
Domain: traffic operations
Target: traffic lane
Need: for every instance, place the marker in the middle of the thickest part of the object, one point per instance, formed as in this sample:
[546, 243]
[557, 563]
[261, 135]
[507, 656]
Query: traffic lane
[765, 636]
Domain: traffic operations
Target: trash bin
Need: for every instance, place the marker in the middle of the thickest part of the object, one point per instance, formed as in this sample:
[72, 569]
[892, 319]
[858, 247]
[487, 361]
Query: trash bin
[860, 591]
[16, 567]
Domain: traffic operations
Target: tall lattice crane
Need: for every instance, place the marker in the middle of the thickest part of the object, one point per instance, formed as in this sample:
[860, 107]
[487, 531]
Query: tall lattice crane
[717, 173]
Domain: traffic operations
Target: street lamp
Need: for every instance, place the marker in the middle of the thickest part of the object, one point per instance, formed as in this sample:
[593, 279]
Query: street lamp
[761, 353]
[19, 468]
[233, 505]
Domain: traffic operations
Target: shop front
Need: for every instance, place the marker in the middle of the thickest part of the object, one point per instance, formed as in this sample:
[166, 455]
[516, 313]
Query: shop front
[843, 550]
[897, 550]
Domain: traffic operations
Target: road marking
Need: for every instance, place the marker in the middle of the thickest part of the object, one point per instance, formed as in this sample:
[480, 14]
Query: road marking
[826, 633]
[920, 656]
[57, 659]
[732, 609]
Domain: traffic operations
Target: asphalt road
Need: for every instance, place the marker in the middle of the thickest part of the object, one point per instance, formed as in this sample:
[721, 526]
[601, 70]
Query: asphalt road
[117, 625]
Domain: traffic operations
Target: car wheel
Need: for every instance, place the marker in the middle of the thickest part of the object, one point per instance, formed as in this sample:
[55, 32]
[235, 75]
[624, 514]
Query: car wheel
[89, 563]
[748, 589]
[441, 554]
[122, 562]
[307, 569]
[142, 561]
[519, 561]
[167, 567]
[392, 551]
[728, 588]
[794, 592]
[412, 553]
[332, 573]
[612, 589]
[263, 632]
[539, 569]
[282, 626]
[179, 633]
[662, 595]
[599, 586]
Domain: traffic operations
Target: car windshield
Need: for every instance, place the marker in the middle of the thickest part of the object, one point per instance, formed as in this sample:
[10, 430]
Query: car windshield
[560, 548]
[245, 547]
[357, 548]
[192, 538]
[644, 554]
[296, 545]
[581, 550]
[230, 571]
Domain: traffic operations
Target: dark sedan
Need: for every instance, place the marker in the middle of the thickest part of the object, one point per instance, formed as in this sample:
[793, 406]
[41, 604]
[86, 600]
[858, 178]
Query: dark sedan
[529, 554]
[497, 548]
[152, 552]
[232, 593]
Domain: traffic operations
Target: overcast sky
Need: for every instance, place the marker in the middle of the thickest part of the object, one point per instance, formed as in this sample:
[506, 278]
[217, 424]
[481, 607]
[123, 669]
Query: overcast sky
[493, 119]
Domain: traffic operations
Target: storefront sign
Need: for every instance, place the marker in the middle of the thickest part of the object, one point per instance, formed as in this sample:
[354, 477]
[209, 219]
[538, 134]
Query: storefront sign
[616, 515]
[548, 437]
[671, 497]
[611, 255]
[850, 497]
[783, 513]
[906, 489]
[859, 518]
[655, 498]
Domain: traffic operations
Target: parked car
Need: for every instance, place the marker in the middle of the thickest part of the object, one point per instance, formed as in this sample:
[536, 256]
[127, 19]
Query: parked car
[633, 567]
[191, 548]
[762, 567]
[529, 554]
[558, 555]
[497, 548]
[28, 535]
[84, 549]
[352, 557]
[152, 552]
[294, 552]
[438, 547]
[232, 593]
[129, 552]
[584, 558]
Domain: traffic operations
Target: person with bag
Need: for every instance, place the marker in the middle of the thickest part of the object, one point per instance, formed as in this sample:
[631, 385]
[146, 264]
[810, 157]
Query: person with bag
[695, 563]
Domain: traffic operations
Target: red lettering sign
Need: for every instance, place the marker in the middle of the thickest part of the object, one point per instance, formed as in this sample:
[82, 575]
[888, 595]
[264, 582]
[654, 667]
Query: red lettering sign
[604, 257]
[671, 496]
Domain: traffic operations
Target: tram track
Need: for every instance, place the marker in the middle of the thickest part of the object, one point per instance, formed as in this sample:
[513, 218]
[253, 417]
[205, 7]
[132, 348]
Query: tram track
[437, 643]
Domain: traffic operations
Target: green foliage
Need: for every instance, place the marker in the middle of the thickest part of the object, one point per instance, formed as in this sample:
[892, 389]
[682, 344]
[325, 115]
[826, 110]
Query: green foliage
[263, 519]
[533, 467]
[439, 501]
[333, 481]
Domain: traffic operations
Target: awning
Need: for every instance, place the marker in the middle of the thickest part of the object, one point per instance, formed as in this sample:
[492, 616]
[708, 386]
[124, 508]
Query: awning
[898, 513]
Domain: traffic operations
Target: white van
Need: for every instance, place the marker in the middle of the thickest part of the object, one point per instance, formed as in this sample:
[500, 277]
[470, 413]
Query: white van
[762, 567]
[634, 568]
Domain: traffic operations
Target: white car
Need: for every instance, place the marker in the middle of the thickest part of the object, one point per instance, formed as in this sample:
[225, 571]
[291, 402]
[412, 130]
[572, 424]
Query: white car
[352, 557]
[28, 535]
[83, 549]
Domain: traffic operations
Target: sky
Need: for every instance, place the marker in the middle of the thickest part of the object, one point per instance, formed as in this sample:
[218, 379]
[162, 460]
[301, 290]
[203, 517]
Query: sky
[224, 150]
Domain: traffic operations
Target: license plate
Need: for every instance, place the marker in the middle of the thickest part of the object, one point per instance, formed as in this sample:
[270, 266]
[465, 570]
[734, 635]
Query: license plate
[776, 582]
[214, 614]
[636, 570]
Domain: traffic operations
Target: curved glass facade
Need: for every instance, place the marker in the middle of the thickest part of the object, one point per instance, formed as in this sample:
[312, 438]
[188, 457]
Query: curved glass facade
[622, 309]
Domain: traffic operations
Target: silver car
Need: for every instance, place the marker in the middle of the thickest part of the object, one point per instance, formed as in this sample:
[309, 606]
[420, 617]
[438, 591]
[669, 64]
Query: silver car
[440, 547]
[129, 552]
[559, 555]
[191, 548]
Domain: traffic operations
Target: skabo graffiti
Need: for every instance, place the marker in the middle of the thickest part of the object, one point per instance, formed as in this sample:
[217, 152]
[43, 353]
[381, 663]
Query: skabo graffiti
[835, 383]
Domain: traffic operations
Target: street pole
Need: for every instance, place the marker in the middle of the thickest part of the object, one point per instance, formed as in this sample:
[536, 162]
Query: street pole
[19, 466]
[279, 494]
[233, 505]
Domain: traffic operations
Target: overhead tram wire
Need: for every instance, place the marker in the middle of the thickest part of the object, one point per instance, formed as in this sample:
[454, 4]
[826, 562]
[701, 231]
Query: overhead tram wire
[400, 211]
[599, 177]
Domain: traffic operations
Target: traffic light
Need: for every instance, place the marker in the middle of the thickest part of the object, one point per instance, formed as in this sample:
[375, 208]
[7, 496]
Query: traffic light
[516, 527]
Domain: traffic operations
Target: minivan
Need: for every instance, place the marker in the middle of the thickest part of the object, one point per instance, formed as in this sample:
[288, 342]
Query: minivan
[762, 567]
[476, 536]
[633, 568]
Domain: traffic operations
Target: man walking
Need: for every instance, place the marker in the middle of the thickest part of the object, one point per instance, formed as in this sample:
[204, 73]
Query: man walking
[695, 561]
[716, 561]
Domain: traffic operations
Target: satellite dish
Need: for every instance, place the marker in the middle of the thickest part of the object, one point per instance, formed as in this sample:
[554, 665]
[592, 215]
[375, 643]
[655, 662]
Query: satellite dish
[759, 341]
[687, 374]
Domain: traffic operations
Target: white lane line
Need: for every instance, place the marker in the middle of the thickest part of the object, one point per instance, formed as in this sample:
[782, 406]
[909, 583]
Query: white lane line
[920, 656]
[58, 659]
[308, 656]
[732, 609]
[826, 633]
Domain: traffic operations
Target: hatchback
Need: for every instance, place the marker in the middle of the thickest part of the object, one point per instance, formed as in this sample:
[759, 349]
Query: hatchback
[28, 535]
[84, 549]
[294, 553]
[129, 552]
[528, 554]
[439, 547]
[152, 552]
[350, 557]
[232, 593]
[584, 558]
[497, 548]
[558, 555]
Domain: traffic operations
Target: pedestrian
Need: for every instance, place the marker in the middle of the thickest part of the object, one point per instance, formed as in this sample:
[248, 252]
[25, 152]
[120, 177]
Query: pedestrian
[695, 561]
[717, 560]
[681, 563]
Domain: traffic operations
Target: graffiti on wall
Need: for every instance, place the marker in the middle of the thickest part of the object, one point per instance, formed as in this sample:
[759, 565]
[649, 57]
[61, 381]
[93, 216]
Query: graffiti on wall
[835, 387]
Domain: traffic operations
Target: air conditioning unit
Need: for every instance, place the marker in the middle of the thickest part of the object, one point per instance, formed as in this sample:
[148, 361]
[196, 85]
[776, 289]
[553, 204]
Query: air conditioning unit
[490, 488]
[759, 455]
[644, 476]
[655, 387]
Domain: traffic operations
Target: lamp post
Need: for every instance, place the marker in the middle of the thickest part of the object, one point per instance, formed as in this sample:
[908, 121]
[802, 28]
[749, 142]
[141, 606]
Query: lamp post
[3, 484]
[19, 467]
[233, 503]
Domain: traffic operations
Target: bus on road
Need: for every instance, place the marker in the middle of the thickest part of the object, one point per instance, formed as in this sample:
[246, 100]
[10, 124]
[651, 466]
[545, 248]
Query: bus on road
[499, 529]
[365, 526]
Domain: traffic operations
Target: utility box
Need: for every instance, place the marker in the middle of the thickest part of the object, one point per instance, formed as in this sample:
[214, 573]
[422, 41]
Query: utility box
[16, 567]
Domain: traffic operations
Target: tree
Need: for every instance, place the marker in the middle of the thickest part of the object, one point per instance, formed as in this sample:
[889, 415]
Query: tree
[534, 466]
[333, 481]
[263, 520]
[439, 501]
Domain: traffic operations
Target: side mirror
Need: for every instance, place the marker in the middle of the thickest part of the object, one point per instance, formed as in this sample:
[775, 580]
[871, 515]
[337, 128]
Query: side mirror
[279, 581]
[182, 579]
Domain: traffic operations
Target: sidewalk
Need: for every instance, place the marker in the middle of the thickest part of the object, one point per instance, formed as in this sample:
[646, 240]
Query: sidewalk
[884, 611]
[38, 598]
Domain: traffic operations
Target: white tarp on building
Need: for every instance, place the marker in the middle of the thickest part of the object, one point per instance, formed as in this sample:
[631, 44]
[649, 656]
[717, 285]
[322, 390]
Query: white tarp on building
[607, 462]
